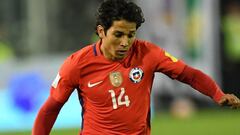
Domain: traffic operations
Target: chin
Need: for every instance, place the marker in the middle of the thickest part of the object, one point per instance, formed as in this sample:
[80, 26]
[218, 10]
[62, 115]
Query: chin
[119, 57]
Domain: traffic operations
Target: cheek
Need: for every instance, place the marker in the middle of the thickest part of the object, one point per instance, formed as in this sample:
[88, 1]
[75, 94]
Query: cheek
[111, 39]
[114, 42]
[131, 41]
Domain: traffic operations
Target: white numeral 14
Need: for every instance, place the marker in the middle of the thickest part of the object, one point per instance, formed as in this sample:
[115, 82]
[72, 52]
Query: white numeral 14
[117, 102]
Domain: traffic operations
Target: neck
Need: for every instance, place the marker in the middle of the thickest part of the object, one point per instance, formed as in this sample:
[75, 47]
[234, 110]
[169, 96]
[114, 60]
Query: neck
[105, 53]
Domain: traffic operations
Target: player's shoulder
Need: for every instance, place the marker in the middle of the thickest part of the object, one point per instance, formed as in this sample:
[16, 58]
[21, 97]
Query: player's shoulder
[85, 51]
[81, 55]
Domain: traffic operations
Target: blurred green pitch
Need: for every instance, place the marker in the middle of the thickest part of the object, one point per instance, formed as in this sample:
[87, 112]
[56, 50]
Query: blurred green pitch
[215, 122]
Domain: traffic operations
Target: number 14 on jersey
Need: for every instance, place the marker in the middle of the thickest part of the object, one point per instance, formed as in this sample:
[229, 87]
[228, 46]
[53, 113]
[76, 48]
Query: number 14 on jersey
[122, 99]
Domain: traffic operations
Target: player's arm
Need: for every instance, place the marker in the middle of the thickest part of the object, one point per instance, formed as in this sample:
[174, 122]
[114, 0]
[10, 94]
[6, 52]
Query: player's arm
[62, 87]
[46, 117]
[175, 69]
[204, 84]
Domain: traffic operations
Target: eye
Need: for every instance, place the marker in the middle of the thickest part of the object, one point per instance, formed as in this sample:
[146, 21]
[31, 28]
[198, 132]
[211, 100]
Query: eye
[131, 35]
[118, 34]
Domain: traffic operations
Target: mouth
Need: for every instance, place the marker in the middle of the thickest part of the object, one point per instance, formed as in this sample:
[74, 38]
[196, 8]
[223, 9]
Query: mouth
[122, 52]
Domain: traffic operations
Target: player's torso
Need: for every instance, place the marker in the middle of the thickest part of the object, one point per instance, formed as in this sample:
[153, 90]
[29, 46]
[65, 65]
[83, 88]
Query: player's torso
[116, 95]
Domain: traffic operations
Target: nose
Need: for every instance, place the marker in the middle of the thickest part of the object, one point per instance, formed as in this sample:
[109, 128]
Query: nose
[125, 41]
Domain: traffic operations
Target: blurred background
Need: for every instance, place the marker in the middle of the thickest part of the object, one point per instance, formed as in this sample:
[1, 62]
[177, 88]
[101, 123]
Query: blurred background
[37, 35]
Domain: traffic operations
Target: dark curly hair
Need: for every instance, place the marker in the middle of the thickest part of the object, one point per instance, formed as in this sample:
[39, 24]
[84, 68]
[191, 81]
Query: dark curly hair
[111, 10]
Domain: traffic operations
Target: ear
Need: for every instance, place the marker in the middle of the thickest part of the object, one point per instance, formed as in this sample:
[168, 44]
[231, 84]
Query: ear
[100, 31]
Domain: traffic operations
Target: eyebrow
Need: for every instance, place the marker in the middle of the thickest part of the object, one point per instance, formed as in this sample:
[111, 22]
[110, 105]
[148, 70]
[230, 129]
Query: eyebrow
[134, 31]
[124, 33]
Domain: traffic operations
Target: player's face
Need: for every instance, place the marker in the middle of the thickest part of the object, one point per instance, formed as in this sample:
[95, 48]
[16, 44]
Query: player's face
[118, 39]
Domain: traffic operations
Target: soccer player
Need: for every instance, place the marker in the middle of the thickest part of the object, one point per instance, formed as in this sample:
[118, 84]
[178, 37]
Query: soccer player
[114, 76]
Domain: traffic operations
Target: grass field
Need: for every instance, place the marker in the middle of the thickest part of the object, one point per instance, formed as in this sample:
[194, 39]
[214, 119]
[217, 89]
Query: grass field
[218, 122]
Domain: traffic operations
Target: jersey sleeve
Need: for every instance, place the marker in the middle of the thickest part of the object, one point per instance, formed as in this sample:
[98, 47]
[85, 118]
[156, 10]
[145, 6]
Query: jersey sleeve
[201, 82]
[66, 80]
[166, 63]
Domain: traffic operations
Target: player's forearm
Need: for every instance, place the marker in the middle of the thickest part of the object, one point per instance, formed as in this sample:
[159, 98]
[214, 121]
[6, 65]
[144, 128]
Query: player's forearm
[46, 117]
[201, 82]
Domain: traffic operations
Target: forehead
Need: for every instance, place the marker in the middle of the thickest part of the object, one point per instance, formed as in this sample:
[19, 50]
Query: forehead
[123, 26]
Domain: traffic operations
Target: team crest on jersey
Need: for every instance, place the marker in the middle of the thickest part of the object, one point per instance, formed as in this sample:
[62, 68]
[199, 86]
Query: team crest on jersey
[116, 78]
[136, 75]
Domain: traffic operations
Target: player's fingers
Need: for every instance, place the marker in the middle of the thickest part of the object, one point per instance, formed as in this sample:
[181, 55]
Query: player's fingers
[230, 98]
[227, 100]
[235, 106]
[222, 101]
[237, 102]
[234, 99]
[234, 102]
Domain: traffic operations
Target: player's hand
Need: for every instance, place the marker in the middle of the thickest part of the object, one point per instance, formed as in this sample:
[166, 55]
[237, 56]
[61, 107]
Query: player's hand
[230, 100]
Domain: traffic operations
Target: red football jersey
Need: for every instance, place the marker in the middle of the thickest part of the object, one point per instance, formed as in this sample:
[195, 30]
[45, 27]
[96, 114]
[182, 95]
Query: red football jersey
[115, 95]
